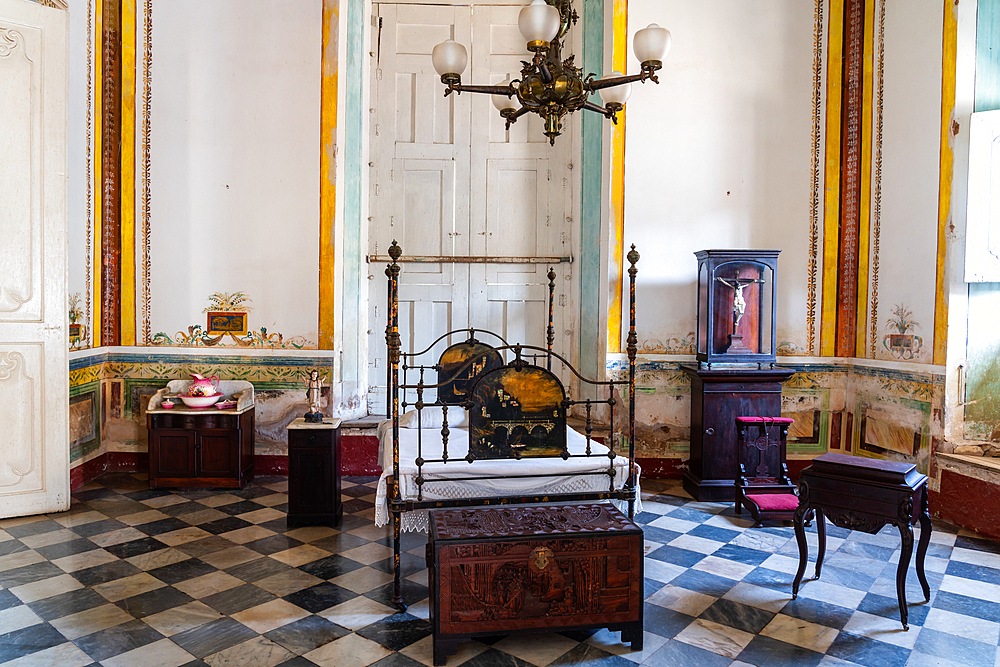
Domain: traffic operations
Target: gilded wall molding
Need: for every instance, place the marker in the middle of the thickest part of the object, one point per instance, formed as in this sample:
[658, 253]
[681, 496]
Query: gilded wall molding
[877, 180]
[147, 97]
[88, 270]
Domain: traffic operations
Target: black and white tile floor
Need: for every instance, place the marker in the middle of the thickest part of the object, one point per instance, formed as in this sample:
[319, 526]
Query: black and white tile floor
[132, 577]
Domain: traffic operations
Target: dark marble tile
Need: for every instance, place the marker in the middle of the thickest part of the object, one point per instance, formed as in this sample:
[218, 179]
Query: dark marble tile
[356, 491]
[68, 548]
[396, 632]
[342, 542]
[961, 604]
[237, 599]
[64, 604]
[740, 554]
[494, 658]
[821, 613]
[703, 582]
[971, 571]
[8, 600]
[93, 494]
[117, 640]
[662, 621]
[676, 555]
[675, 653]
[307, 634]
[642, 518]
[956, 649]
[33, 528]
[29, 640]
[153, 602]
[202, 663]
[213, 637]
[355, 505]
[29, 574]
[224, 525]
[240, 507]
[330, 567]
[135, 547]
[868, 652]
[180, 509]
[714, 533]
[320, 597]
[859, 581]
[258, 569]
[887, 607]
[162, 526]
[963, 542]
[737, 615]
[273, 544]
[182, 571]
[350, 522]
[661, 535]
[769, 578]
[279, 525]
[11, 547]
[865, 550]
[407, 541]
[585, 654]
[124, 507]
[146, 494]
[396, 660]
[408, 564]
[650, 586]
[196, 494]
[101, 574]
[205, 546]
[412, 592]
[763, 651]
[696, 516]
[251, 492]
[98, 527]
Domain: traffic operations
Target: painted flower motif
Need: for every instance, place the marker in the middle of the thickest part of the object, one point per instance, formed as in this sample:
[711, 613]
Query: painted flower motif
[75, 312]
[901, 319]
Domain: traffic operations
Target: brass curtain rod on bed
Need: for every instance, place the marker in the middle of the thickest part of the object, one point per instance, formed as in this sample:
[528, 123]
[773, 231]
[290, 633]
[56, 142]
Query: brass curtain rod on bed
[469, 259]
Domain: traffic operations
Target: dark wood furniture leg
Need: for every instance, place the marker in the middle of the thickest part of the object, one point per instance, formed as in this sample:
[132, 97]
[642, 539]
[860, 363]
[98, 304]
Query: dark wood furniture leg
[821, 531]
[925, 539]
[906, 535]
[800, 538]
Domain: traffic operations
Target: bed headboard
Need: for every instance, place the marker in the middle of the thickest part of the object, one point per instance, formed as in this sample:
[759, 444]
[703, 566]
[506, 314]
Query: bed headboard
[459, 366]
[517, 411]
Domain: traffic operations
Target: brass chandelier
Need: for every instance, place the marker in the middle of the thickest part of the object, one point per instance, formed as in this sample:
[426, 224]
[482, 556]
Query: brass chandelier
[550, 86]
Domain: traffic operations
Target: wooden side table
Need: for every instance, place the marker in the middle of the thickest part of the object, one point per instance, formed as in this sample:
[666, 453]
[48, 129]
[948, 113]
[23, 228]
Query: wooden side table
[314, 473]
[865, 494]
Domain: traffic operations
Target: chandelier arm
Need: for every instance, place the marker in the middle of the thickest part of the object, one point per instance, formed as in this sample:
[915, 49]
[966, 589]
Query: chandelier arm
[487, 90]
[593, 85]
[590, 106]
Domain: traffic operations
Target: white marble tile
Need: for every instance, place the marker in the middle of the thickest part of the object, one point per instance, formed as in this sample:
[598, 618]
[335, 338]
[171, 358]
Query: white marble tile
[15, 618]
[699, 544]
[300, 555]
[349, 651]
[179, 619]
[539, 649]
[420, 609]
[227, 558]
[256, 652]
[79, 519]
[785, 564]
[918, 659]
[418, 578]
[370, 531]
[163, 653]
[207, 584]
[119, 536]
[218, 500]
[140, 518]
[963, 626]
[838, 595]
[63, 655]
[970, 587]
[248, 534]
[715, 637]
[723, 567]
[164, 501]
[357, 613]
[611, 642]
[755, 539]
[286, 583]
[653, 507]
[270, 616]
[306, 533]
[127, 587]
[19, 559]
[649, 546]
[681, 600]
[262, 515]
[758, 596]
[5, 536]
[800, 633]
[49, 538]
[20, 521]
[976, 557]
[183, 536]
[943, 538]
[368, 553]
[160, 558]
[46, 588]
[662, 571]
[82, 561]
[423, 651]
[707, 507]
[882, 629]
[90, 621]
[674, 524]
[272, 500]
[730, 522]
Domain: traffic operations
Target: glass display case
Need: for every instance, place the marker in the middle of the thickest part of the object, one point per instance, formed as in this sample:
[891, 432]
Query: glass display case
[736, 306]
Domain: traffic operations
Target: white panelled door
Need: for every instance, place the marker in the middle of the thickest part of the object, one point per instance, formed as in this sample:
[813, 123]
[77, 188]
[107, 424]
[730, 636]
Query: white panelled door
[34, 371]
[447, 178]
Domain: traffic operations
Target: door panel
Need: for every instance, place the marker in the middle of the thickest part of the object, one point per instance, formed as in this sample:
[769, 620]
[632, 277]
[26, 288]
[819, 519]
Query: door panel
[34, 371]
[173, 452]
[216, 455]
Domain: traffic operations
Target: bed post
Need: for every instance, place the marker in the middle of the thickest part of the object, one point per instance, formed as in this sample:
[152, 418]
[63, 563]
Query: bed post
[392, 343]
[632, 347]
[550, 333]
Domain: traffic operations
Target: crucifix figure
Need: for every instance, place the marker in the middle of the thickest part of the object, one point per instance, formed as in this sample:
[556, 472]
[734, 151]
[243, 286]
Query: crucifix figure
[739, 303]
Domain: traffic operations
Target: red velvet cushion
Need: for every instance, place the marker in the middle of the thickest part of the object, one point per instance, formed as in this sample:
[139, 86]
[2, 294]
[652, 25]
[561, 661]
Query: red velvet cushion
[775, 501]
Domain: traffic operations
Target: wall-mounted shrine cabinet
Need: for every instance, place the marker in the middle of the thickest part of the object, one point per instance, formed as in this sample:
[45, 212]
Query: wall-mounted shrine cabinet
[736, 306]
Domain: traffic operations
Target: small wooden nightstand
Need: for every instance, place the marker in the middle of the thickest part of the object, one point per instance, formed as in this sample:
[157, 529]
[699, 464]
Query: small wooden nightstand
[314, 473]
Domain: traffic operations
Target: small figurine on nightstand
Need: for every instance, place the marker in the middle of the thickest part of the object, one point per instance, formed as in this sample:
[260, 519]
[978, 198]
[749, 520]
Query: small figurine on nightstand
[313, 391]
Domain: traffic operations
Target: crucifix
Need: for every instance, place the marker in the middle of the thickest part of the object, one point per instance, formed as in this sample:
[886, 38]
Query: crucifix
[739, 303]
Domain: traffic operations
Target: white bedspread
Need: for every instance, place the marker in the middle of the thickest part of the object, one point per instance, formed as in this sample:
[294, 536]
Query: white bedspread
[492, 476]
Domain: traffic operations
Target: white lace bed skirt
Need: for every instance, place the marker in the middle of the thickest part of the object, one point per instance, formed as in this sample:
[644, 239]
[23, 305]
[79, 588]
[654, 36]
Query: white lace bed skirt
[493, 477]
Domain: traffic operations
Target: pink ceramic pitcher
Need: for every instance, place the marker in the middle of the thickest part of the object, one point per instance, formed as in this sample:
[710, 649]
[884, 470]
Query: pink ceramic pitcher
[203, 386]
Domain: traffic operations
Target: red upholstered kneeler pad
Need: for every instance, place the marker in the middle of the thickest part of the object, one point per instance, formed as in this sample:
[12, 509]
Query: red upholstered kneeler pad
[775, 501]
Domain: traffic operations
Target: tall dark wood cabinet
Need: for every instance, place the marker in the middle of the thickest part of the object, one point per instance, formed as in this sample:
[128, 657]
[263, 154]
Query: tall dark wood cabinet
[194, 448]
[314, 473]
[718, 396]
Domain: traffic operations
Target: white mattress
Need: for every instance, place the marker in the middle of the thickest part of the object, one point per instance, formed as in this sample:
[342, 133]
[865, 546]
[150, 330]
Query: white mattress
[492, 476]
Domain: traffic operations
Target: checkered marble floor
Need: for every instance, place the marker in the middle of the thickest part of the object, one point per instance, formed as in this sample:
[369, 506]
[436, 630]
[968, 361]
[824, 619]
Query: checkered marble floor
[134, 577]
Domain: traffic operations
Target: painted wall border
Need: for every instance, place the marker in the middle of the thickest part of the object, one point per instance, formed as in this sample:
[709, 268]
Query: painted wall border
[876, 210]
[147, 101]
[831, 208]
[949, 128]
[616, 226]
[814, 195]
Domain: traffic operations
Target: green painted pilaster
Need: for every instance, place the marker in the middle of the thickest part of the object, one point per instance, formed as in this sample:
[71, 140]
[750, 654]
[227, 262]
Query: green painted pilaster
[988, 55]
[353, 139]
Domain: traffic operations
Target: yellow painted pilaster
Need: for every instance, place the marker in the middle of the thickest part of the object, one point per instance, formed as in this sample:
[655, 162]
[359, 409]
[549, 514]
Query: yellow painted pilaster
[831, 224]
[864, 213]
[98, 168]
[327, 174]
[616, 252]
[127, 175]
[948, 72]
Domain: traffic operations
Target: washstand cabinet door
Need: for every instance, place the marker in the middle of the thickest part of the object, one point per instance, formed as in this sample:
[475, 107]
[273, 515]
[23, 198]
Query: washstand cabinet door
[217, 453]
[173, 453]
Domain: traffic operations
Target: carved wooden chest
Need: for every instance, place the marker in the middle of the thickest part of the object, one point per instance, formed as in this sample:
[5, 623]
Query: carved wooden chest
[510, 569]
